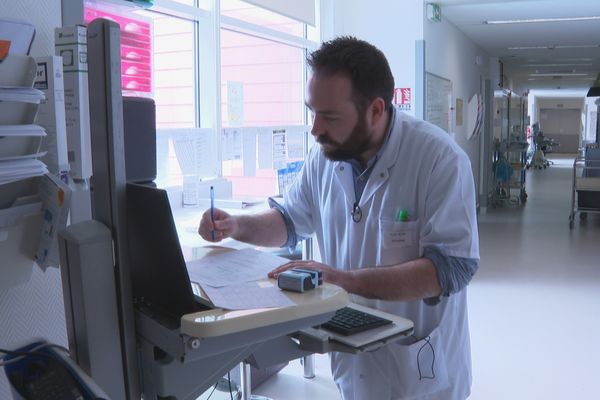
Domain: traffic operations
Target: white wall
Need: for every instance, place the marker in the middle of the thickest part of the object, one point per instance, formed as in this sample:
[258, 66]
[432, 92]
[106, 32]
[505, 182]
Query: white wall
[561, 119]
[34, 309]
[557, 102]
[392, 26]
[451, 55]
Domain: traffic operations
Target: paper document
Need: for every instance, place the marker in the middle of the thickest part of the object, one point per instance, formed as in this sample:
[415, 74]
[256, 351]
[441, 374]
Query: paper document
[295, 142]
[11, 171]
[22, 207]
[279, 148]
[265, 148]
[21, 94]
[235, 103]
[249, 151]
[233, 267]
[22, 130]
[196, 151]
[232, 144]
[38, 154]
[248, 295]
[56, 198]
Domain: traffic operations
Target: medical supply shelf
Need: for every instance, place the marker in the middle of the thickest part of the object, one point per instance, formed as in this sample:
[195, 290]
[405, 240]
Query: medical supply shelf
[509, 161]
[21, 217]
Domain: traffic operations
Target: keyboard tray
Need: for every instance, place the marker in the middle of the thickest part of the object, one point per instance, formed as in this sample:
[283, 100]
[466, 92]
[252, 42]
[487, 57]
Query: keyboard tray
[348, 321]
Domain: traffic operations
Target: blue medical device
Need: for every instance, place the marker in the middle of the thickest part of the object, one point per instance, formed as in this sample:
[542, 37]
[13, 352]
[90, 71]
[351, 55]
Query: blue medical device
[299, 280]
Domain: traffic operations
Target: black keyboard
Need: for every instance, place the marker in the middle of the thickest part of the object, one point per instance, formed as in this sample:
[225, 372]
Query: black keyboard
[348, 321]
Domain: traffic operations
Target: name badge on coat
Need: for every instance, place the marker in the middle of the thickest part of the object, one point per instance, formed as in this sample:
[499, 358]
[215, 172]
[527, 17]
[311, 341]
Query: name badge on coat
[398, 234]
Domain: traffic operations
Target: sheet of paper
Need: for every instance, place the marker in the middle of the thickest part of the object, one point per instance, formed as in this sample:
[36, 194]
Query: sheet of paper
[265, 148]
[196, 151]
[22, 130]
[11, 215]
[183, 143]
[279, 149]
[235, 103]
[249, 143]
[247, 295]
[287, 176]
[19, 94]
[15, 170]
[206, 153]
[56, 198]
[295, 142]
[233, 267]
[190, 190]
[24, 156]
[232, 144]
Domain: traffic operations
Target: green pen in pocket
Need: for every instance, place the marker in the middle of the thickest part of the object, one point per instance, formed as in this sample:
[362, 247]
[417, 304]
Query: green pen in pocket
[401, 215]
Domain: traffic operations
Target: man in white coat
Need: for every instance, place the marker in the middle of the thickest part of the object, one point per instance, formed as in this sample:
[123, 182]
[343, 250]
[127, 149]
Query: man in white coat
[391, 202]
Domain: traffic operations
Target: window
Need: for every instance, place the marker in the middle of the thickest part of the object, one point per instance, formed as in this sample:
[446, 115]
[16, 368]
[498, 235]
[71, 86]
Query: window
[170, 52]
[255, 15]
[272, 78]
[266, 75]
[158, 61]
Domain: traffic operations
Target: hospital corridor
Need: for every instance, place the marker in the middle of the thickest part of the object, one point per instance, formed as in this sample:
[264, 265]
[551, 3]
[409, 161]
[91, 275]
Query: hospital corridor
[243, 199]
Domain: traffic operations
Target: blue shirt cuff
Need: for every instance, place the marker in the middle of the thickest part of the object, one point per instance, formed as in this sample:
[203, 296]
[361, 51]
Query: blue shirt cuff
[292, 238]
[454, 273]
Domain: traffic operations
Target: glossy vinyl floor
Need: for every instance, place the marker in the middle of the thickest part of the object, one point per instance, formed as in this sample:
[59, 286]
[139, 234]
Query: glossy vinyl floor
[534, 305]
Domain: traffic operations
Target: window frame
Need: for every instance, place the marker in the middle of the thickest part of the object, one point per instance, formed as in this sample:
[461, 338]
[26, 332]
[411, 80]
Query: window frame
[208, 22]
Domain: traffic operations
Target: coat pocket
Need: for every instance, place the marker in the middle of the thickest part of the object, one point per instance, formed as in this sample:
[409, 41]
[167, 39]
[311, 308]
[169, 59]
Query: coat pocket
[399, 241]
[421, 365]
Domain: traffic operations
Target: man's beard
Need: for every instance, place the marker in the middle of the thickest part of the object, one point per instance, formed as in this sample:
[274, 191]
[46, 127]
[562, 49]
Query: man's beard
[356, 144]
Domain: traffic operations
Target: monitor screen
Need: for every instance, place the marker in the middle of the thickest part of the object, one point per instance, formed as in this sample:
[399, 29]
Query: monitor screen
[158, 272]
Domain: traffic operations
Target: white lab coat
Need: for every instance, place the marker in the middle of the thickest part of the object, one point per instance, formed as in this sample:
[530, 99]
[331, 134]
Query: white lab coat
[424, 172]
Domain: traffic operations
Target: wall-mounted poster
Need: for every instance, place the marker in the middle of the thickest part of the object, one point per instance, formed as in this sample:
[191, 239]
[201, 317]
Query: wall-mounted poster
[402, 98]
[438, 101]
[459, 112]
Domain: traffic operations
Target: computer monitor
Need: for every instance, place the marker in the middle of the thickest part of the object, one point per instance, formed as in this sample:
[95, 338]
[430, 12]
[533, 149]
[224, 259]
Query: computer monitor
[158, 272]
[139, 136]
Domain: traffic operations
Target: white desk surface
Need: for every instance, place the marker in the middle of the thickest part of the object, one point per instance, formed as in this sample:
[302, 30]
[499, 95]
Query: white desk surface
[326, 298]
[217, 322]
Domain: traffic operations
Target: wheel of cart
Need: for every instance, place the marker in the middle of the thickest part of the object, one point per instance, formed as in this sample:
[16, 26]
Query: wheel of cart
[571, 221]
[523, 196]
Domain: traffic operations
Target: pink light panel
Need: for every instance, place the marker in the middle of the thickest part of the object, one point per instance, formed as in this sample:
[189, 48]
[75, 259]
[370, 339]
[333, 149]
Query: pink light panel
[136, 49]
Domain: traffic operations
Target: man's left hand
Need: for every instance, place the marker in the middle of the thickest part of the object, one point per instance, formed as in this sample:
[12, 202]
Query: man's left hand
[330, 274]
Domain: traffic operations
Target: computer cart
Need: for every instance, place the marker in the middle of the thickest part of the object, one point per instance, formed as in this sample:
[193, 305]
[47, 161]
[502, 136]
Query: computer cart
[586, 187]
[509, 163]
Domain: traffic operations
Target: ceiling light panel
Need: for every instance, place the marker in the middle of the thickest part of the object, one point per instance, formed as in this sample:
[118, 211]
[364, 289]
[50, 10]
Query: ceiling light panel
[552, 47]
[539, 20]
[559, 74]
[558, 65]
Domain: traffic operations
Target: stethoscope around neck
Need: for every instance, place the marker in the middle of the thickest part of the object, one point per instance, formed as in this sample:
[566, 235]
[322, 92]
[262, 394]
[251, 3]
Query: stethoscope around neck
[356, 212]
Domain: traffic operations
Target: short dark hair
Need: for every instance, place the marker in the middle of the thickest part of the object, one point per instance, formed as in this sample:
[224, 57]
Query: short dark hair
[363, 63]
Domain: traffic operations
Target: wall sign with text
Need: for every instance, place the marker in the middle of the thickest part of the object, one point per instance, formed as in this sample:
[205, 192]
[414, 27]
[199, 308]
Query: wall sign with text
[402, 98]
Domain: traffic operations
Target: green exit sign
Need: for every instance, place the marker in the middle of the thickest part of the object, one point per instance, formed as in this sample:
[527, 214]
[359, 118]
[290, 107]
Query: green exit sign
[434, 12]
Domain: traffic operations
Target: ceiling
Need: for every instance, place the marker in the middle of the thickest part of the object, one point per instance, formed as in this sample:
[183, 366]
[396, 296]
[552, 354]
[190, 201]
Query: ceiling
[568, 56]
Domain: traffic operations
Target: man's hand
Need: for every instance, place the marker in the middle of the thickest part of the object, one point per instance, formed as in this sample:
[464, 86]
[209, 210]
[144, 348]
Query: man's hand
[225, 225]
[330, 274]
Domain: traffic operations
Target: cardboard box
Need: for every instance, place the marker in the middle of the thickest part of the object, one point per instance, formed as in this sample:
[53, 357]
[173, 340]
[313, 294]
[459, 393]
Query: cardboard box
[51, 113]
[71, 45]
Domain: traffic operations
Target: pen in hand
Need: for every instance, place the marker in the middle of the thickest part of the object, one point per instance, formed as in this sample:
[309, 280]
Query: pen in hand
[212, 211]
